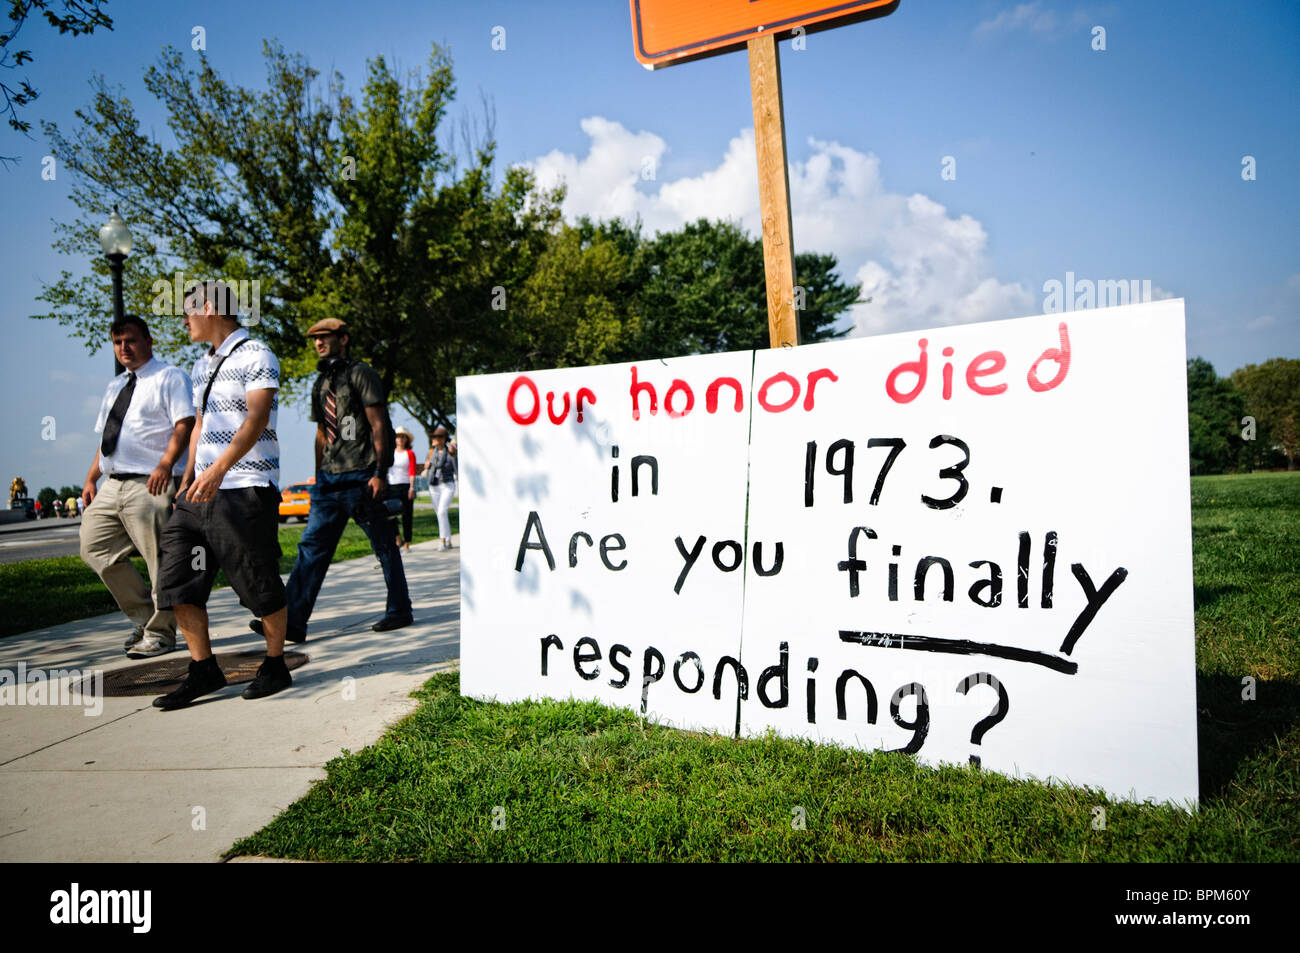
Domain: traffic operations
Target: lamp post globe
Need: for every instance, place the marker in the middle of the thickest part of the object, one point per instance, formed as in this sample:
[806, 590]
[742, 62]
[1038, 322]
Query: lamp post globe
[115, 239]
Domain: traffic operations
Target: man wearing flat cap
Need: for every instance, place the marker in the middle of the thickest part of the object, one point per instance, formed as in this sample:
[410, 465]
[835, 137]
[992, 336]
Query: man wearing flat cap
[354, 451]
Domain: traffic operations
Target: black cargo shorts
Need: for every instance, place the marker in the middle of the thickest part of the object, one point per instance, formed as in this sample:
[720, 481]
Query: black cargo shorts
[236, 531]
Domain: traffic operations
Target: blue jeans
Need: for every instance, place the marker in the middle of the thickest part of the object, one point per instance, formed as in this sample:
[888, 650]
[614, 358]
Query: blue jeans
[333, 498]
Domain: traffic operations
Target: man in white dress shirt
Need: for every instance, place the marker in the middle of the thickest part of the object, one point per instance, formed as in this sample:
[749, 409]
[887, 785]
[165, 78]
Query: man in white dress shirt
[144, 421]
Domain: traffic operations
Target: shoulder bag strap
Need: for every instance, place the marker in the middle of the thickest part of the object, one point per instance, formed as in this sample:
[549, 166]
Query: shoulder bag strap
[208, 390]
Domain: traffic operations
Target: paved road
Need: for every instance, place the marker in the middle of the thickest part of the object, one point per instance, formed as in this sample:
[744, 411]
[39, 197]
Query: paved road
[58, 538]
[45, 539]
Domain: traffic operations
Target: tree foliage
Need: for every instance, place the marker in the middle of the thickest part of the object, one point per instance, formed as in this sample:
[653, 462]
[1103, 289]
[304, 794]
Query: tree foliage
[705, 291]
[580, 303]
[605, 292]
[338, 207]
[242, 194]
[1214, 412]
[1272, 396]
[79, 17]
[1246, 421]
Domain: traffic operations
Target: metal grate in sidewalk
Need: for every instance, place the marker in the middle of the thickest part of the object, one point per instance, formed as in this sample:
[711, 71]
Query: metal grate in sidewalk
[163, 675]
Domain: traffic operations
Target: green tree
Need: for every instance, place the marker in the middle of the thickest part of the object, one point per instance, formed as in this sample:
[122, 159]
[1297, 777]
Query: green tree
[580, 305]
[1214, 411]
[476, 247]
[242, 194]
[706, 292]
[47, 496]
[345, 208]
[1272, 395]
[79, 17]
[603, 292]
[426, 256]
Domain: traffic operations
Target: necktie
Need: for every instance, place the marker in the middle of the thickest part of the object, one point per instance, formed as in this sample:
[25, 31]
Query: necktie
[331, 416]
[113, 425]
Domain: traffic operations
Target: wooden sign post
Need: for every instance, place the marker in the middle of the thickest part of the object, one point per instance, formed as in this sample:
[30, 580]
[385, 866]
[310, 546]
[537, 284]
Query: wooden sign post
[666, 32]
[773, 190]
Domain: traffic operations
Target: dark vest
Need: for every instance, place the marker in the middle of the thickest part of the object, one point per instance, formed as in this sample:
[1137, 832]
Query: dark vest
[357, 453]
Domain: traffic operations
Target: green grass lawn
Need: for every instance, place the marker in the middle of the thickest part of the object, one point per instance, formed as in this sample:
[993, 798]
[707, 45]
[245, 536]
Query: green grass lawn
[466, 780]
[45, 592]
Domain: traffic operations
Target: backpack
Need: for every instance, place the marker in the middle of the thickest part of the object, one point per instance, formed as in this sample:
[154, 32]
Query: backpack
[390, 436]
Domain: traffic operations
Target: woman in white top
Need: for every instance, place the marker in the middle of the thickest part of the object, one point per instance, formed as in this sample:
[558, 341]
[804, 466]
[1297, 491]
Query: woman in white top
[441, 467]
[401, 483]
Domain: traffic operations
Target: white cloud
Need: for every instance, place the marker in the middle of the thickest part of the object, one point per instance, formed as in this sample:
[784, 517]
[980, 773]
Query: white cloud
[920, 265]
[74, 446]
[604, 183]
[1263, 321]
[1083, 18]
[728, 191]
[1024, 16]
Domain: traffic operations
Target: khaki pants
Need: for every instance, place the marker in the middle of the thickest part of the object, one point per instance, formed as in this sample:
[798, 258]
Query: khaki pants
[124, 516]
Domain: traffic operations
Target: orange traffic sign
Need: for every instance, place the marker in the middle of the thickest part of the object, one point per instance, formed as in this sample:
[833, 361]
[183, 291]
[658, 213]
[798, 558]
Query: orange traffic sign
[665, 32]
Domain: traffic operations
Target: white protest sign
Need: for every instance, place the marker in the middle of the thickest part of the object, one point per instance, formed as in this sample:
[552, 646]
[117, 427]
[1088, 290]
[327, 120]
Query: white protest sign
[579, 519]
[978, 548]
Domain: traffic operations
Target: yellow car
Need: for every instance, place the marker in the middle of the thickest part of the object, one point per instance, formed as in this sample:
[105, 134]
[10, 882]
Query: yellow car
[296, 501]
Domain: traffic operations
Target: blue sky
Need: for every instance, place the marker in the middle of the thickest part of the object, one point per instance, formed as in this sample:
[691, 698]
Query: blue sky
[1123, 163]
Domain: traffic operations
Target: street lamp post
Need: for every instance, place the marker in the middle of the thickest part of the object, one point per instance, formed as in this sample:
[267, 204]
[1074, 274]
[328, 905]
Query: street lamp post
[115, 239]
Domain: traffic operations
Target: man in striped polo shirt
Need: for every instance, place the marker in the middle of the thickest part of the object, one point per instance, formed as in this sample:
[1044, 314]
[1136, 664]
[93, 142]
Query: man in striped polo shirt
[227, 508]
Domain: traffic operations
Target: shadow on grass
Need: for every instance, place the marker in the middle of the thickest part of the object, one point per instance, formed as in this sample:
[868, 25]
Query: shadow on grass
[1206, 596]
[1232, 730]
[1204, 531]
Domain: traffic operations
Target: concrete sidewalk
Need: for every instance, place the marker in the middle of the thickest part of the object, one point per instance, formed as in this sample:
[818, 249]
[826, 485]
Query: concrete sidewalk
[138, 784]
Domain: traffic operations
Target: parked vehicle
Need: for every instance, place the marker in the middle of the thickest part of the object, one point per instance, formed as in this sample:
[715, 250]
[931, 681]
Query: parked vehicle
[295, 500]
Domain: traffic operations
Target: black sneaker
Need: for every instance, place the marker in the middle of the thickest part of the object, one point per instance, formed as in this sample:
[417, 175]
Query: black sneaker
[272, 676]
[290, 634]
[203, 677]
[392, 622]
